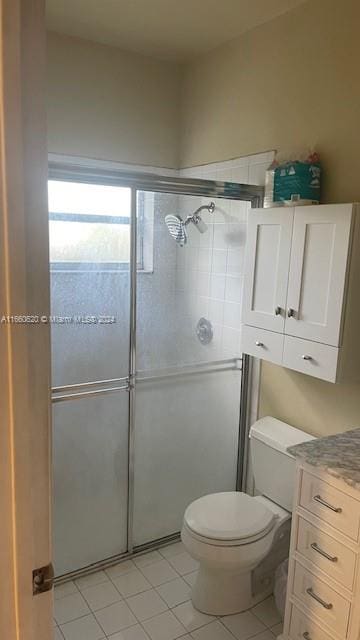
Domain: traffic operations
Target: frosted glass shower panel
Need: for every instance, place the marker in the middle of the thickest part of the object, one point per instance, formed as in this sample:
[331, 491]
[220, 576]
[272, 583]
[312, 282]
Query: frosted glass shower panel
[186, 442]
[90, 458]
[89, 226]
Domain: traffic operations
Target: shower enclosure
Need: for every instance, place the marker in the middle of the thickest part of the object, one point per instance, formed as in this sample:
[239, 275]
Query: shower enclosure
[147, 368]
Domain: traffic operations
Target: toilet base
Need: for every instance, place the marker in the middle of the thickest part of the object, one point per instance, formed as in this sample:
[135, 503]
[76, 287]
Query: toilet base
[222, 593]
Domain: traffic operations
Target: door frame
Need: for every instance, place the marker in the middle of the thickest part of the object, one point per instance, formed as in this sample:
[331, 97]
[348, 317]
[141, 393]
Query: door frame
[25, 433]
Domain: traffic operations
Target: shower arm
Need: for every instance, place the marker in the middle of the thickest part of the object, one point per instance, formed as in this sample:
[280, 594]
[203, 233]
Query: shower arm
[194, 217]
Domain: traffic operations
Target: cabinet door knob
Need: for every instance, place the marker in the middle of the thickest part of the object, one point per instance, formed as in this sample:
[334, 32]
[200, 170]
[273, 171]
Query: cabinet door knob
[305, 357]
[291, 313]
[278, 311]
[259, 344]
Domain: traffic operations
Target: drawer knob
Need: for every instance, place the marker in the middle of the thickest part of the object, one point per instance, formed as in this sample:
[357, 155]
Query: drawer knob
[291, 313]
[316, 548]
[305, 357]
[326, 605]
[259, 344]
[319, 499]
[278, 311]
[306, 635]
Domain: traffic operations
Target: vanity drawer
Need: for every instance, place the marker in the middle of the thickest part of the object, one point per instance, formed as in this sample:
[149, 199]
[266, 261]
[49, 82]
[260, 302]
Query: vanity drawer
[334, 507]
[303, 628]
[328, 554]
[262, 344]
[312, 358]
[321, 600]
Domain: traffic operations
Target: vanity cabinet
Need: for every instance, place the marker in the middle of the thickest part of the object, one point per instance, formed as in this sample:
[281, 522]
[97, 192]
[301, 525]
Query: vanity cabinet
[323, 591]
[302, 279]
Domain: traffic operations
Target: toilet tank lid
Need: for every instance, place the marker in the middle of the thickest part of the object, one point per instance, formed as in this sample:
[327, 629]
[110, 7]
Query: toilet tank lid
[277, 434]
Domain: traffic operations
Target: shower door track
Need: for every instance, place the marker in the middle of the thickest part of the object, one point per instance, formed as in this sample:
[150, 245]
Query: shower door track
[66, 171]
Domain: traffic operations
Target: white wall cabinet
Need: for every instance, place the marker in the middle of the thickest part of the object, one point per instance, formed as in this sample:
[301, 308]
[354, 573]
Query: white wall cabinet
[301, 275]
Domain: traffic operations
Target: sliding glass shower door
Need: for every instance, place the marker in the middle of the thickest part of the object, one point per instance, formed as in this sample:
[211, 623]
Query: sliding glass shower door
[146, 356]
[90, 306]
[188, 379]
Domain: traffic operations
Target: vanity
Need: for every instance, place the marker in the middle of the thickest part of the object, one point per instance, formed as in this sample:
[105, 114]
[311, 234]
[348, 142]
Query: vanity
[323, 592]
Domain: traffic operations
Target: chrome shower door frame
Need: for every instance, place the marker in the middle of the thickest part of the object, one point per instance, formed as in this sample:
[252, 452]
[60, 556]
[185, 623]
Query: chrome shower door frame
[139, 182]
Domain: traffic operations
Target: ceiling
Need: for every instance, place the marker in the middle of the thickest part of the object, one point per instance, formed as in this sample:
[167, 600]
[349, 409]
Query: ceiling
[169, 29]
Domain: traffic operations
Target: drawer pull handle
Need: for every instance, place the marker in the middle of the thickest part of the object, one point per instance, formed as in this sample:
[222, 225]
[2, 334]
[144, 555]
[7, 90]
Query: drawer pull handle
[278, 311]
[323, 553]
[304, 357]
[319, 499]
[306, 635]
[259, 344]
[326, 605]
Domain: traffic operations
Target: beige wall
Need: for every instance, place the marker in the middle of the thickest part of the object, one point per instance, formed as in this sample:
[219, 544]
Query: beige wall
[108, 104]
[289, 84]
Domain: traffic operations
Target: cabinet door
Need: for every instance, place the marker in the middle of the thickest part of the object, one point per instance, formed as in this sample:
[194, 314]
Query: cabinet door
[267, 267]
[318, 265]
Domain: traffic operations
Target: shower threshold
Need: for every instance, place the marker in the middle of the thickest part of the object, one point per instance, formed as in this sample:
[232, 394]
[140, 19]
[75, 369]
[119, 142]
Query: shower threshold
[113, 560]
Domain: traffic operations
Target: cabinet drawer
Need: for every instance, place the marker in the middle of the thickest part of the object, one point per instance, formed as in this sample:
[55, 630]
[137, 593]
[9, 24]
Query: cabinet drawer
[303, 628]
[321, 600]
[262, 344]
[326, 553]
[312, 358]
[334, 507]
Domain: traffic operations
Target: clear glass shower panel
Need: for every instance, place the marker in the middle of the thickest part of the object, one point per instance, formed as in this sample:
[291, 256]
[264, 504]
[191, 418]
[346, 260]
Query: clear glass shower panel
[188, 351]
[90, 466]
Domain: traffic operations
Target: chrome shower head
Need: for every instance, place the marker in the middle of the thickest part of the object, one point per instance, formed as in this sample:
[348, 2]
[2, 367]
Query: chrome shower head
[177, 229]
[177, 226]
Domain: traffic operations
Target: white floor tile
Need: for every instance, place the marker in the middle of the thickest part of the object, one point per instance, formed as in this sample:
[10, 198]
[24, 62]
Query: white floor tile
[265, 635]
[91, 580]
[183, 563]
[172, 550]
[115, 618]
[65, 589]
[190, 578]
[164, 627]
[267, 612]
[57, 634]
[147, 558]
[101, 595]
[70, 607]
[243, 625]
[131, 583]
[174, 592]
[147, 604]
[82, 629]
[190, 617]
[132, 633]
[213, 631]
[159, 572]
[277, 629]
[120, 569]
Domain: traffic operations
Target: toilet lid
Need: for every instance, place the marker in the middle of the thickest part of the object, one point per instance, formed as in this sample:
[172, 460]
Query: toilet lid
[230, 516]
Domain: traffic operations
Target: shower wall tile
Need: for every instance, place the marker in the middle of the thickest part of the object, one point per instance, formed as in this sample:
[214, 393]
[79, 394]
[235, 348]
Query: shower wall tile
[211, 285]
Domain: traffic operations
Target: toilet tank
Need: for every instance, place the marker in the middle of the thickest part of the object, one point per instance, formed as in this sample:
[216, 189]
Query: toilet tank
[272, 466]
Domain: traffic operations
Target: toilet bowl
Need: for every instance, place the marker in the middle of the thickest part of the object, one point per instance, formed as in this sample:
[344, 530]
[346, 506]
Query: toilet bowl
[229, 534]
[239, 540]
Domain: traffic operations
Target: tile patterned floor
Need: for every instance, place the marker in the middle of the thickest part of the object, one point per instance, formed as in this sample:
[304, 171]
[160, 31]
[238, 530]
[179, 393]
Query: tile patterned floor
[148, 598]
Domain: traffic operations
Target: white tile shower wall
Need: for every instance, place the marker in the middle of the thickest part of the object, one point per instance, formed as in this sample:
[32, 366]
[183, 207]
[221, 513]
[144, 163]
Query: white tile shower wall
[210, 268]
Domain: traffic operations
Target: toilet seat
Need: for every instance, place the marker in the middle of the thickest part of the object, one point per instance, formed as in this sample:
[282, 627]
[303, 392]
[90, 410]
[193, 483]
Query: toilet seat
[228, 519]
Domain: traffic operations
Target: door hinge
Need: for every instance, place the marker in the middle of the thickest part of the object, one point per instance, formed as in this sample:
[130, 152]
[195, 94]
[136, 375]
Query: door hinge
[43, 579]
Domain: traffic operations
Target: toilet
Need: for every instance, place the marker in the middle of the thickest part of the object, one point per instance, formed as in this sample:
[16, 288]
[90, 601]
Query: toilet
[239, 540]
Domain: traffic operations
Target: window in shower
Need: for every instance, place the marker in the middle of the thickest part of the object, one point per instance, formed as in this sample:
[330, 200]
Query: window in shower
[89, 227]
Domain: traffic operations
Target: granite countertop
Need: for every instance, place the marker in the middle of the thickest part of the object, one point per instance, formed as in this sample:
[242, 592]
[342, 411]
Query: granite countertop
[339, 455]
